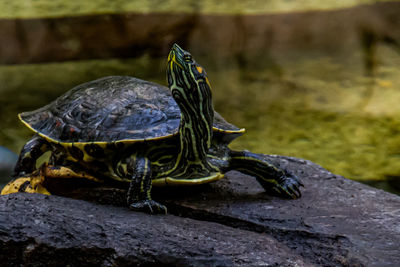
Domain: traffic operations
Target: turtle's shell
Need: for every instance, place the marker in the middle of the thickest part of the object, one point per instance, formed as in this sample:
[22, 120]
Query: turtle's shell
[116, 108]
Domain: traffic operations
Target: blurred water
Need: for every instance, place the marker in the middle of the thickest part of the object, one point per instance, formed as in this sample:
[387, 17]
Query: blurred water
[7, 163]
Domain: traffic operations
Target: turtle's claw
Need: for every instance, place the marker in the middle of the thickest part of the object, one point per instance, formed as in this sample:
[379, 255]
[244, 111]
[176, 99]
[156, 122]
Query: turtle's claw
[289, 186]
[148, 206]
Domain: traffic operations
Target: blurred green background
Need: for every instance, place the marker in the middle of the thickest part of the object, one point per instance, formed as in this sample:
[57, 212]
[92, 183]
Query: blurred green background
[318, 80]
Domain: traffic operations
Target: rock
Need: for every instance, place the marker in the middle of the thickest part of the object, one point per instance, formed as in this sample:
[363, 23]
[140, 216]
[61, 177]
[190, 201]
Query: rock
[41, 230]
[336, 222]
[232, 222]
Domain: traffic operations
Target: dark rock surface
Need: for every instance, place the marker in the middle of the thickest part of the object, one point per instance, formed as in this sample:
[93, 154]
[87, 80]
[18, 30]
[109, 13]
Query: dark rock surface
[37, 229]
[337, 222]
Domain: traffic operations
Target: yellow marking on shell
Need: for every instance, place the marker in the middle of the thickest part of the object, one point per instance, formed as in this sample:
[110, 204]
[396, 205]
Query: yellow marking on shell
[64, 172]
[80, 145]
[86, 156]
[37, 178]
[14, 186]
[38, 189]
[199, 69]
[35, 185]
[242, 130]
[169, 181]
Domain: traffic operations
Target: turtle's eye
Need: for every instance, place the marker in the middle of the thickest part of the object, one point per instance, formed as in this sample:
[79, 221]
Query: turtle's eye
[187, 58]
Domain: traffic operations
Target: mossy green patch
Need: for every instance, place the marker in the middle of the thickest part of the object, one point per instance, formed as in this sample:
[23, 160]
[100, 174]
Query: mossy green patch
[354, 145]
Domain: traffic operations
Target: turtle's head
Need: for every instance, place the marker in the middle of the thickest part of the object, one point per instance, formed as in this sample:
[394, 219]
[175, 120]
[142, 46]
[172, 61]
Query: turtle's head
[186, 78]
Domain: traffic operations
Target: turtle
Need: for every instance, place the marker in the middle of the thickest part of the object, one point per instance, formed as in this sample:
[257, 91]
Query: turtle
[142, 134]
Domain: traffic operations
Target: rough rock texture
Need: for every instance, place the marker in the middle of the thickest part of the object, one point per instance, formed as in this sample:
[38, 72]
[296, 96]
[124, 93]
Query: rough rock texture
[337, 222]
[37, 229]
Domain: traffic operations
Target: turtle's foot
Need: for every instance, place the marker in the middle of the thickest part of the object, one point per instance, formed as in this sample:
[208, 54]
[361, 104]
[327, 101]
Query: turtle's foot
[288, 186]
[148, 206]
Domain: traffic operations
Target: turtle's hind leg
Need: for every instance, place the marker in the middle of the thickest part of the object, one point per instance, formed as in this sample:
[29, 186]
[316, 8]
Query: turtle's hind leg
[27, 184]
[47, 179]
[32, 150]
[268, 175]
[139, 193]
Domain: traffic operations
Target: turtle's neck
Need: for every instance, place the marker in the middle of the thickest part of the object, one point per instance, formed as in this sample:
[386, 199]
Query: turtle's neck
[195, 131]
[191, 90]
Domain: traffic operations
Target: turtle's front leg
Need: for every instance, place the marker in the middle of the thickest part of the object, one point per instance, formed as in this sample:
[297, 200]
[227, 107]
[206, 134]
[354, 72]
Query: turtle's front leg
[268, 175]
[32, 150]
[139, 193]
